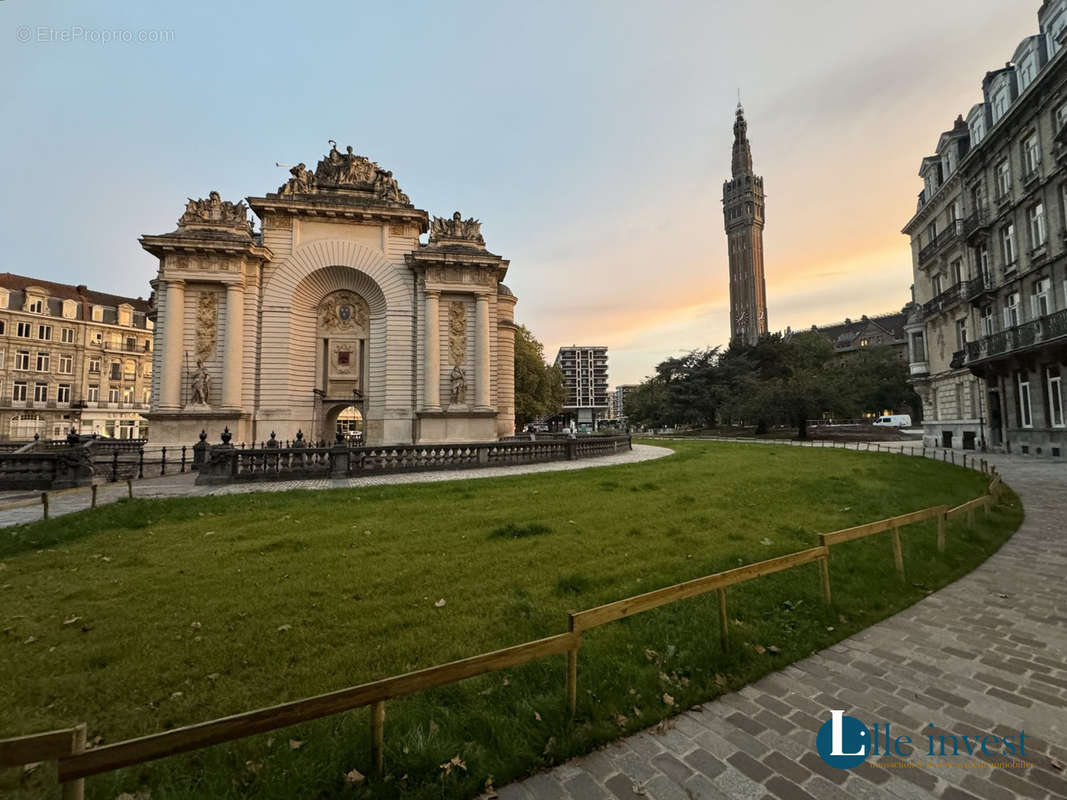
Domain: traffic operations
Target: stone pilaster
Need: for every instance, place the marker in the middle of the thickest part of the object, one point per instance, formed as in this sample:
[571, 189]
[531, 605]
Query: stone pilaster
[233, 361]
[481, 354]
[432, 365]
[171, 385]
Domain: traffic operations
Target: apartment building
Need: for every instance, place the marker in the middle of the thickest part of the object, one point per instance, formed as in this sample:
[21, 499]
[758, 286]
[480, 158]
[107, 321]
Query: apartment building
[988, 335]
[585, 377]
[72, 357]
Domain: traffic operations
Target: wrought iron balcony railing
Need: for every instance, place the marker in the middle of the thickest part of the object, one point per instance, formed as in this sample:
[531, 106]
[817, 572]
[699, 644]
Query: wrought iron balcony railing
[1021, 337]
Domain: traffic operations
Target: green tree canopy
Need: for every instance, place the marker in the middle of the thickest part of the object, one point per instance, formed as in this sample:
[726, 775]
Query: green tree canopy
[539, 388]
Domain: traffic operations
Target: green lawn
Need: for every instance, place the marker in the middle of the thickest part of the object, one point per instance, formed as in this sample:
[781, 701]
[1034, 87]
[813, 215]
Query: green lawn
[192, 609]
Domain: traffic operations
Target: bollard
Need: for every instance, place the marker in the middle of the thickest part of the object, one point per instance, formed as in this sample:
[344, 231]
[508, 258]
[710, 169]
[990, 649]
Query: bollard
[163, 463]
[44, 503]
[140, 462]
[93, 490]
[114, 465]
[183, 459]
[129, 487]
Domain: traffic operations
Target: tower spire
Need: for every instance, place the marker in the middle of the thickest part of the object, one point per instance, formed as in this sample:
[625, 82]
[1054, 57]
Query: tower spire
[742, 162]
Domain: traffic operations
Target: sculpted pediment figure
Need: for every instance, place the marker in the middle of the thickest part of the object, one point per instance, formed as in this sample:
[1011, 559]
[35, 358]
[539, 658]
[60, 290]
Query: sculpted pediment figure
[215, 211]
[469, 230]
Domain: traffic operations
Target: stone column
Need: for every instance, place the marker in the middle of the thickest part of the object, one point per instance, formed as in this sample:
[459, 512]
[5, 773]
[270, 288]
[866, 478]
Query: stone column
[481, 354]
[431, 400]
[171, 383]
[233, 362]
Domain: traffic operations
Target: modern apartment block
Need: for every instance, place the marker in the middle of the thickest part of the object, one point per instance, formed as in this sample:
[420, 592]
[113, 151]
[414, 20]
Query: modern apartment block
[621, 393]
[988, 335]
[72, 357]
[585, 377]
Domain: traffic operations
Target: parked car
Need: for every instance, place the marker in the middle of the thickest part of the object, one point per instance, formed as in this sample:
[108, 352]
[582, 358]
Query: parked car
[894, 421]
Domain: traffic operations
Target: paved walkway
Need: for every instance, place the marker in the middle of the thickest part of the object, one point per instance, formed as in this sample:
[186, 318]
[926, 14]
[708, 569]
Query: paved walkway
[987, 654]
[182, 485]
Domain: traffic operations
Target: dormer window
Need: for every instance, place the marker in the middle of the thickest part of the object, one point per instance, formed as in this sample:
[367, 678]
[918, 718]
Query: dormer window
[98, 313]
[125, 315]
[35, 306]
[70, 309]
[1027, 71]
[1000, 103]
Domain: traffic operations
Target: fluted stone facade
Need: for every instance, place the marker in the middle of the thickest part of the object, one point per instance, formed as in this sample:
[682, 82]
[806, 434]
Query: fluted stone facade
[335, 303]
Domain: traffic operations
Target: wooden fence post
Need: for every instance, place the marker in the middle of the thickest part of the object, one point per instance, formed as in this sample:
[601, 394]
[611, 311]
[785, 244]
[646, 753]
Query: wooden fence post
[93, 490]
[377, 734]
[898, 554]
[985, 505]
[44, 504]
[572, 669]
[824, 572]
[724, 623]
[941, 519]
[75, 790]
[129, 487]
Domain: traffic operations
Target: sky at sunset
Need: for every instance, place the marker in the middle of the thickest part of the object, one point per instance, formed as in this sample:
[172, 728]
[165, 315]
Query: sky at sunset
[591, 138]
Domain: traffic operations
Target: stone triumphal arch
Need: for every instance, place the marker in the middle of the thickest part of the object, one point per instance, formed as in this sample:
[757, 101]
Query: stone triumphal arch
[333, 312]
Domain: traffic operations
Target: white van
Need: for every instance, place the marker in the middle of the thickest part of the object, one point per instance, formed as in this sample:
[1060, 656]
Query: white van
[894, 421]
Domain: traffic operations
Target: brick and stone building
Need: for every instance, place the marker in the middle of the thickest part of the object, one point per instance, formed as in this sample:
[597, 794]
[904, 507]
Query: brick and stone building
[742, 208]
[334, 309]
[988, 337]
[585, 379]
[72, 357]
[881, 330]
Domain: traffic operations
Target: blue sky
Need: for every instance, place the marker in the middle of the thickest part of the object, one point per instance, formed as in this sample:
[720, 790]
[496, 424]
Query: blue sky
[591, 138]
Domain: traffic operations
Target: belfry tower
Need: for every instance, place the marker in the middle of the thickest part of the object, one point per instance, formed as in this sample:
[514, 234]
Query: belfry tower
[742, 207]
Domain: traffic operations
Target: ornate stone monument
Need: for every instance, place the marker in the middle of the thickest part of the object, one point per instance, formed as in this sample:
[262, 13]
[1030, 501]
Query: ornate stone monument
[334, 305]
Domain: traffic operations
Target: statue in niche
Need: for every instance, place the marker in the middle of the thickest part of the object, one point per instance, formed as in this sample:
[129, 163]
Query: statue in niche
[458, 395]
[201, 385]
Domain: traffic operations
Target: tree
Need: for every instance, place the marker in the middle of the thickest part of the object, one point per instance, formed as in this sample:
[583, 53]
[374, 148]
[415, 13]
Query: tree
[539, 390]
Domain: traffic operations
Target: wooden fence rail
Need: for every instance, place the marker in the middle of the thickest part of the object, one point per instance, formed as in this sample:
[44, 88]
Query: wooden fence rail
[75, 763]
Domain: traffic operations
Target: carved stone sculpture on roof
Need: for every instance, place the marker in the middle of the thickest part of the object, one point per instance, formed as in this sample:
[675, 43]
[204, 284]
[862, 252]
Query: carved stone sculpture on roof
[469, 229]
[348, 170]
[215, 211]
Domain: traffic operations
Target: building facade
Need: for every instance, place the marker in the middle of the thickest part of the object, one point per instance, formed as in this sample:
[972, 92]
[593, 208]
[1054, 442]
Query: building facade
[742, 208]
[621, 393]
[585, 380]
[988, 339]
[333, 318]
[71, 357]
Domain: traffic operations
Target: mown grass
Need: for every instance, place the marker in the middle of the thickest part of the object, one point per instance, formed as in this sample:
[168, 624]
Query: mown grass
[192, 609]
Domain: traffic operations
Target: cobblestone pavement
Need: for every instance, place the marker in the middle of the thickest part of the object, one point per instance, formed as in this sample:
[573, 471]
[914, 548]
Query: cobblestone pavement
[987, 654]
[182, 485]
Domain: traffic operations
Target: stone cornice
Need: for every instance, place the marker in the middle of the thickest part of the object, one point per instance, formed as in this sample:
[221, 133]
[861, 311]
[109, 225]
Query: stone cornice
[327, 207]
[168, 244]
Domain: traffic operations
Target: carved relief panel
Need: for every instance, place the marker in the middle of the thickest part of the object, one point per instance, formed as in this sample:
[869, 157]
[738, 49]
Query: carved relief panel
[343, 328]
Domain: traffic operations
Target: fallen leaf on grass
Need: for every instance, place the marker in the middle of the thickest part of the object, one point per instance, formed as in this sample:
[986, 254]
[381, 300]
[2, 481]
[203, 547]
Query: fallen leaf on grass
[668, 699]
[195, 625]
[455, 761]
[71, 621]
[537, 716]
[295, 744]
[29, 769]
[353, 777]
[30, 640]
[759, 648]
[284, 628]
[720, 681]
[176, 695]
[254, 766]
[765, 541]
[440, 603]
[829, 627]
[773, 649]
[214, 676]
[1055, 764]
[621, 720]
[140, 794]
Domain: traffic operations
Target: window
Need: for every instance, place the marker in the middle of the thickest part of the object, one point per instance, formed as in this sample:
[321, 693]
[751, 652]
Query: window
[36, 307]
[127, 394]
[1039, 302]
[40, 393]
[1055, 397]
[987, 320]
[66, 364]
[131, 344]
[63, 393]
[18, 390]
[977, 130]
[1011, 310]
[1059, 118]
[864, 342]
[116, 371]
[983, 267]
[146, 396]
[1007, 241]
[3, 327]
[1026, 72]
[961, 334]
[22, 360]
[94, 366]
[43, 362]
[1024, 416]
[98, 314]
[44, 332]
[1000, 104]
[1003, 179]
[957, 271]
[67, 336]
[1036, 215]
[94, 393]
[1031, 155]
[113, 394]
[918, 347]
[938, 283]
[23, 331]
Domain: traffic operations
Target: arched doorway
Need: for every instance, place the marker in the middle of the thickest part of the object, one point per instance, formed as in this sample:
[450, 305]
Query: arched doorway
[349, 424]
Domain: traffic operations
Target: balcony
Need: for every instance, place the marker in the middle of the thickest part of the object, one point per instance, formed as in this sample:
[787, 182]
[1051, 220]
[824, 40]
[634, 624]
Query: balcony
[949, 234]
[958, 359]
[946, 300]
[1021, 337]
[976, 289]
[919, 368]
